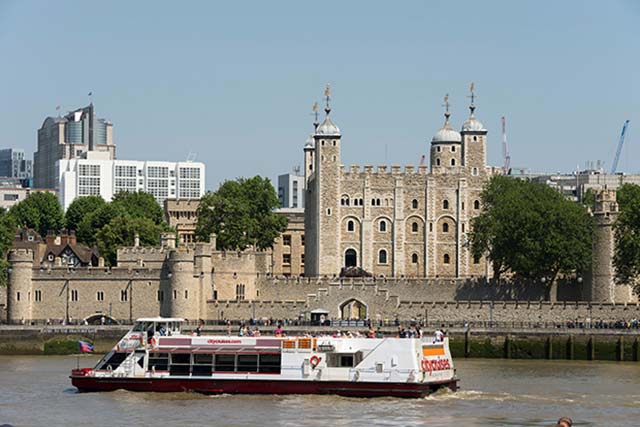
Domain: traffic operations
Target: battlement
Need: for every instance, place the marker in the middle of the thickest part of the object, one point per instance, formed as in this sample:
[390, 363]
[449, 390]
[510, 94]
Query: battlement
[354, 170]
[605, 202]
[96, 274]
[20, 255]
[182, 254]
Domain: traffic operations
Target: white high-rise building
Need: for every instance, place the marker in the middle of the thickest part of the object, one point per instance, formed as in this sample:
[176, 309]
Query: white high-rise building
[98, 175]
[291, 191]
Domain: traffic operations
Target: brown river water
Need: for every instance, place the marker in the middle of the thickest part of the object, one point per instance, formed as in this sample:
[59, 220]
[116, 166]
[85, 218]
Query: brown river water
[36, 391]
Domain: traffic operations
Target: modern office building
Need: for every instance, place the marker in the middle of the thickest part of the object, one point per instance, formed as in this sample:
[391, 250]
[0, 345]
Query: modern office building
[13, 164]
[98, 174]
[291, 190]
[70, 137]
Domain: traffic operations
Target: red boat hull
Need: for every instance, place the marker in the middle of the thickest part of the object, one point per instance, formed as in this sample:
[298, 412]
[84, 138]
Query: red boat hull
[233, 386]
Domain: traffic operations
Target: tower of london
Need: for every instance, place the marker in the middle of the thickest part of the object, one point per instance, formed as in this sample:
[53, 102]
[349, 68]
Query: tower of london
[396, 222]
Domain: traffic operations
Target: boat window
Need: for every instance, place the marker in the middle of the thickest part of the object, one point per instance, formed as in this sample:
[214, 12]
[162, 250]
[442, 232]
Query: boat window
[225, 362]
[270, 363]
[159, 360]
[141, 326]
[346, 361]
[180, 364]
[202, 364]
[141, 362]
[114, 361]
[247, 363]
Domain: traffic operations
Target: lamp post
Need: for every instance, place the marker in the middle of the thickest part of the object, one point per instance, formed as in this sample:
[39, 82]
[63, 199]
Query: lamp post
[130, 297]
[67, 284]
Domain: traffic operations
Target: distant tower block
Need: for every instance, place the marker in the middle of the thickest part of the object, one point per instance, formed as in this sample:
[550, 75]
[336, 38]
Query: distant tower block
[605, 213]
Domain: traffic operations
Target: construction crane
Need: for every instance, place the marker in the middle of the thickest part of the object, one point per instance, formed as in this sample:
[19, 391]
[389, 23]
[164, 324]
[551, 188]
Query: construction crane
[506, 158]
[614, 166]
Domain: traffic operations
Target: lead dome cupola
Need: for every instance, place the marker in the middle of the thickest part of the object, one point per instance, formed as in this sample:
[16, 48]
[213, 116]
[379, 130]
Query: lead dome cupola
[446, 133]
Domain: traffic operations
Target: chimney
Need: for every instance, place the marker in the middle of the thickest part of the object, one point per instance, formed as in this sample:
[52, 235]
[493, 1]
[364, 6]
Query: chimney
[64, 237]
[73, 240]
[168, 240]
[50, 239]
[136, 240]
[213, 240]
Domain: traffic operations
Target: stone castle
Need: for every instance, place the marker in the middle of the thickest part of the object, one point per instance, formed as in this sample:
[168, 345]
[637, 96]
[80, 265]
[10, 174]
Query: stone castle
[395, 223]
[408, 228]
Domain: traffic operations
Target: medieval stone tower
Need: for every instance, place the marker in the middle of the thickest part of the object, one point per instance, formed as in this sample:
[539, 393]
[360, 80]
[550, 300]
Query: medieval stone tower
[189, 284]
[394, 222]
[324, 193]
[20, 286]
[603, 287]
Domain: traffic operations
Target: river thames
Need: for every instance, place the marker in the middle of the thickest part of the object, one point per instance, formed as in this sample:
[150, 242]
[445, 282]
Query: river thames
[36, 391]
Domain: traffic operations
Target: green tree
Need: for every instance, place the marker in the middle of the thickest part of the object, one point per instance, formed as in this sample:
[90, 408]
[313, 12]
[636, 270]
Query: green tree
[588, 199]
[120, 231]
[241, 213]
[7, 234]
[139, 205]
[532, 231]
[626, 259]
[93, 222]
[40, 211]
[80, 208]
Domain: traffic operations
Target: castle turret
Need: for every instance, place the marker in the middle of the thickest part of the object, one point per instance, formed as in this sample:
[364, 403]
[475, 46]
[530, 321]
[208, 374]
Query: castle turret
[322, 214]
[605, 213]
[446, 148]
[308, 159]
[474, 142]
[184, 286]
[19, 290]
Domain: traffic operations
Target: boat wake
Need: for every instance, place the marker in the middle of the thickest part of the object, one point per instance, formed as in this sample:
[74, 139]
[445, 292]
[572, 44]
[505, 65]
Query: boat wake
[476, 395]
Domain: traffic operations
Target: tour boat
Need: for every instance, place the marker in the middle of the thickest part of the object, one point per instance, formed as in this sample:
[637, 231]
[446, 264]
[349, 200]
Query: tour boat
[155, 356]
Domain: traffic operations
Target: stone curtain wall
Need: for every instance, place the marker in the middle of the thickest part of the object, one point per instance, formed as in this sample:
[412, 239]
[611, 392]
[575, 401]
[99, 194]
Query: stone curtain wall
[299, 288]
[512, 314]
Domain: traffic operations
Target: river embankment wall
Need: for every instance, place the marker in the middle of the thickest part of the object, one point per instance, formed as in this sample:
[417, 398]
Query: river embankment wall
[514, 343]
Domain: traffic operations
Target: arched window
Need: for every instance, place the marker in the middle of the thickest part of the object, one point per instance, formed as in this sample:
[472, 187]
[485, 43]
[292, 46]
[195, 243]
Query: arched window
[438, 148]
[361, 202]
[377, 202]
[446, 259]
[382, 256]
[414, 258]
[414, 204]
[437, 162]
[350, 225]
[453, 148]
[445, 227]
[445, 204]
[453, 162]
[476, 204]
[476, 259]
[414, 227]
[383, 225]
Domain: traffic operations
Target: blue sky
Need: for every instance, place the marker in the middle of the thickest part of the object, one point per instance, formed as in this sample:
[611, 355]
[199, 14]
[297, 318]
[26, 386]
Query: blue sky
[234, 82]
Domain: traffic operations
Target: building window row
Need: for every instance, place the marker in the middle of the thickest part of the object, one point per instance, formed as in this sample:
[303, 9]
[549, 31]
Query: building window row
[346, 201]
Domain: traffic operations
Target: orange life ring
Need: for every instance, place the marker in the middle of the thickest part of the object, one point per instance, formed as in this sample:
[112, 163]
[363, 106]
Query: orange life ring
[314, 361]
